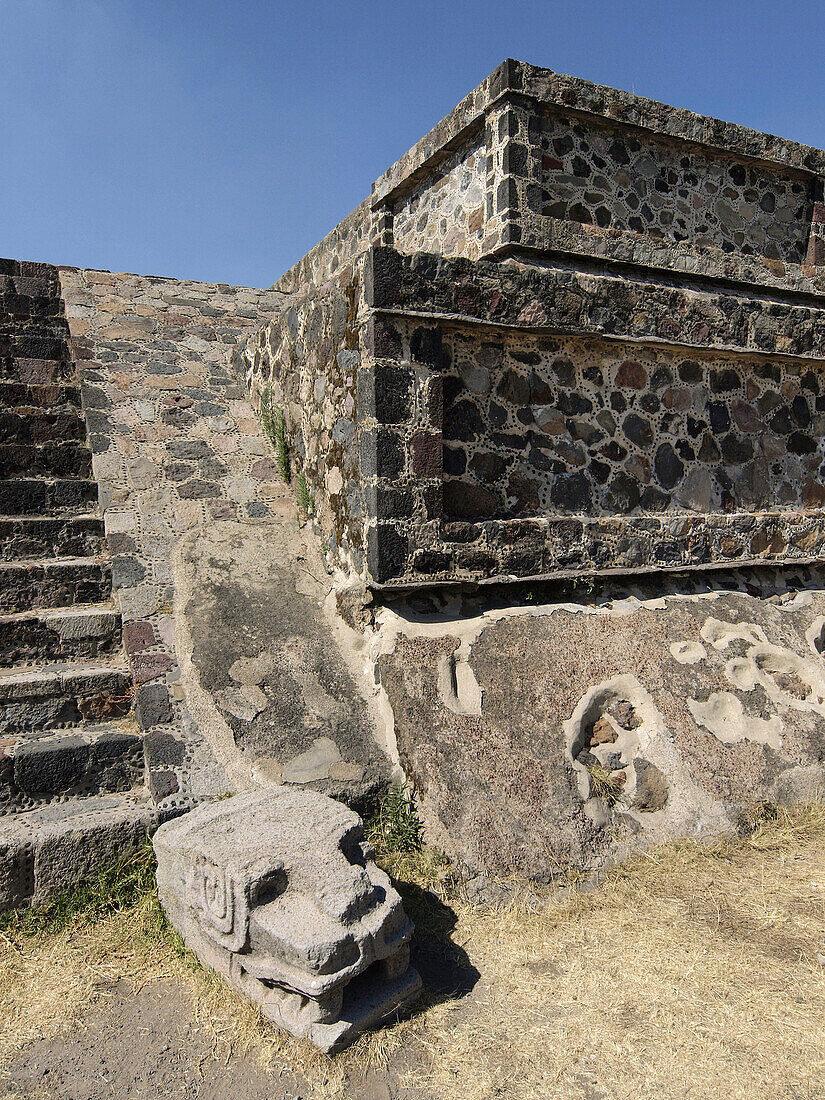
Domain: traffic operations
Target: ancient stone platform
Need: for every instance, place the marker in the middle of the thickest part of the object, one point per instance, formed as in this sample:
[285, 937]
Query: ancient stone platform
[572, 331]
[571, 334]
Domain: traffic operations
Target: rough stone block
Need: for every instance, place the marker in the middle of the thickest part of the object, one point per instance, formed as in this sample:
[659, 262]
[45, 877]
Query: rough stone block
[277, 890]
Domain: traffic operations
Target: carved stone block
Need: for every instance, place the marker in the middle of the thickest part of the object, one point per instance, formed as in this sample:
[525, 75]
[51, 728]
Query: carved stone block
[277, 890]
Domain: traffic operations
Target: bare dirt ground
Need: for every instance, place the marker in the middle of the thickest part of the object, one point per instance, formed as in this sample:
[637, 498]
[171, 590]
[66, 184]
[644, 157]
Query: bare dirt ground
[696, 972]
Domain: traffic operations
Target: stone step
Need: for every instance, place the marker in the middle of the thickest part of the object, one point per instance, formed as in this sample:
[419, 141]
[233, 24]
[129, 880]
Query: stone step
[52, 848]
[69, 459]
[44, 345]
[34, 426]
[67, 633]
[51, 696]
[15, 306]
[34, 371]
[53, 582]
[43, 496]
[79, 763]
[76, 536]
[24, 396]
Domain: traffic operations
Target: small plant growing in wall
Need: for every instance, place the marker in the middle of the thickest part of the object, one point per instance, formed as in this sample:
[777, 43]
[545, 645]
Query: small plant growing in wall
[605, 783]
[273, 423]
[303, 495]
[396, 828]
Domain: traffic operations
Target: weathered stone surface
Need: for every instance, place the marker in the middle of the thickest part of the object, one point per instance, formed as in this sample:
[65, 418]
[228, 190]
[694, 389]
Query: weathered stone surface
[573, 735]
[49, 850]
[278, 891]
[263, 669]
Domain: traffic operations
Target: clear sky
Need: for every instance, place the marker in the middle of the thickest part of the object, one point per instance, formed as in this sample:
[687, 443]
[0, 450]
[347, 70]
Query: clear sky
[221, 140]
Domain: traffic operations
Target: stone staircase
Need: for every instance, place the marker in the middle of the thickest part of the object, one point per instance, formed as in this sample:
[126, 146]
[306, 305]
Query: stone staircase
[69, 747]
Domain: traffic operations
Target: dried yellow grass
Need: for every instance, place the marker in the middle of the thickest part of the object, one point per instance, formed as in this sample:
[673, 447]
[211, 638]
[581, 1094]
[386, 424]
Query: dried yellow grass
[693, 972]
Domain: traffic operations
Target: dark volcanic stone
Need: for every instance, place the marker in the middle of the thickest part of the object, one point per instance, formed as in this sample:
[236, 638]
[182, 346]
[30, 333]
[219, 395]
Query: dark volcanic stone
[719, 417]
[654, 500]
[801, 412]
[801, 444]
[709, 451]
[50, 767]
[781, 421]
[455, 461]
[514, 388]
[574, 404]
[668, 466]
[525, 490]
[724, 381]
[393, 393]
[631, 375]
[573, 493]
[153, 707]
[637, 430]
[463, 421]
[564, 371]
[488, 467]
[736, 450]
[690, 372]
[623, 494]
[465, 500]
[388, 549]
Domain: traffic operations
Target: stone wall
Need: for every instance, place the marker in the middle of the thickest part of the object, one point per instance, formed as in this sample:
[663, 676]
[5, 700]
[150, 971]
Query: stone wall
[610, 176]
[590, 338]
[643, 194]
[444, 212]
[550, 422]
[175, 445]
[305, 362]
[593, 171]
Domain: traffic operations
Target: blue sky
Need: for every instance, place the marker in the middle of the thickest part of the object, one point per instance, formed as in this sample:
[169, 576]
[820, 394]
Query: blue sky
[221, 140]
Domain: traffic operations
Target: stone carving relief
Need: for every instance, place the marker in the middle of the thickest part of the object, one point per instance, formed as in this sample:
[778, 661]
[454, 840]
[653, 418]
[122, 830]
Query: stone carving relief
[277, 890]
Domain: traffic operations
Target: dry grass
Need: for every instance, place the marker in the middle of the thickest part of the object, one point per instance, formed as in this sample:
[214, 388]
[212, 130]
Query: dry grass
[692, 973]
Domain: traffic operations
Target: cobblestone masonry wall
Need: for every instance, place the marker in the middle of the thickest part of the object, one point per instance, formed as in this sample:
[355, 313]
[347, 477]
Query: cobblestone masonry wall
[614, 177]
[537, 425]
[580, 453]
[175, 443]
[568, 161]
[518, 448]
[444, 213]
[307, 361]
[590, 170]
